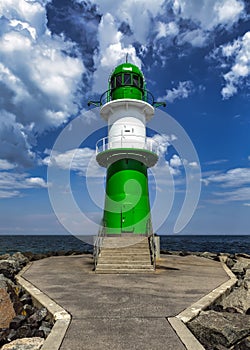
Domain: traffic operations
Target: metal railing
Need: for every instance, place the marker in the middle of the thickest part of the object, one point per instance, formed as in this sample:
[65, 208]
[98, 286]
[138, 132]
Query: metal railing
[98, 243]
[147, 96]
[151, 240]
[127, 141]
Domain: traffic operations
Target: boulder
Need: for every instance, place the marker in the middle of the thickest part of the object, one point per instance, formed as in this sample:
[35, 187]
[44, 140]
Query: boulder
[6, 282]
[22, 260]
[239, 299]
[17, 322]
[4, 256]
[24, 344]
[241, 265]
[209, 255]
[4, 332]
[243, 344]
[38, 316]
[220, 328]
[7, 311]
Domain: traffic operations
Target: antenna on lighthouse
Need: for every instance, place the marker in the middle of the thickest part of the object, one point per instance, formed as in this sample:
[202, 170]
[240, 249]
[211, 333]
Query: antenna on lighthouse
[127, 57]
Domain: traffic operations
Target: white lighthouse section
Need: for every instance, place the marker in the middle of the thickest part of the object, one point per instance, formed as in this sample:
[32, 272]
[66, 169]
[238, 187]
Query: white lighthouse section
[127, 133]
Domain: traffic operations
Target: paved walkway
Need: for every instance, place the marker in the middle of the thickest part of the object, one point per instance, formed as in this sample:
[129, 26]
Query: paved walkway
[113, 312]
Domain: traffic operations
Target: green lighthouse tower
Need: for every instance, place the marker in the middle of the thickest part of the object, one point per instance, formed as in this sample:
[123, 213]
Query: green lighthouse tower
[127, 152]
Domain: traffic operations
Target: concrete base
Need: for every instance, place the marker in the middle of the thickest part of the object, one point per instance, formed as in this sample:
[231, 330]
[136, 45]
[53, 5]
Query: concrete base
[124, 311]
[157, 246]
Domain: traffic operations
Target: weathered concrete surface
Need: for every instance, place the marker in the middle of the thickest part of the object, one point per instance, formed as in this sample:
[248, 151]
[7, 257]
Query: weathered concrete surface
[124, 311]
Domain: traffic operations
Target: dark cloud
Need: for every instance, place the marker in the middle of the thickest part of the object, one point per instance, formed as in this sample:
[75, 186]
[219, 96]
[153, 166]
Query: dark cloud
[77, 21]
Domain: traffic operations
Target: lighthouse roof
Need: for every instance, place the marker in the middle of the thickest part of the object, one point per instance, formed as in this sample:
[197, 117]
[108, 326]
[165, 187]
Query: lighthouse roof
[127, 67]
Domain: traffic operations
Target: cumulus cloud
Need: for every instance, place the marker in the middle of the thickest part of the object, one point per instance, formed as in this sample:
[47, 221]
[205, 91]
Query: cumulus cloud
[209, 14]
[81, 160]
[232, 178]
[39, 78]
[112, 52]
[238, 52]
[164, 141]
[183, 90]
[11, 183]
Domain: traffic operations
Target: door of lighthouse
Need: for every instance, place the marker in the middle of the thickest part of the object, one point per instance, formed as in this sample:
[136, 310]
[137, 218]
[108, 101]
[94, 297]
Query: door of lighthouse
[127, 218]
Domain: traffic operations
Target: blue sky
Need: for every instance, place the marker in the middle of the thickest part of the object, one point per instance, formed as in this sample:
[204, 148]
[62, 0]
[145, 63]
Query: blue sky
[56, 55]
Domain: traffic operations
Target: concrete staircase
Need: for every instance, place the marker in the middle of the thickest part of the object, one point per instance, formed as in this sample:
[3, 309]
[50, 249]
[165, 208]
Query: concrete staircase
[124, 255]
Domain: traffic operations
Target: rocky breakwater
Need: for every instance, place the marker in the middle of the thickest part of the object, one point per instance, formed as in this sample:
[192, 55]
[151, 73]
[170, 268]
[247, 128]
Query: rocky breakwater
[226, 323]
[22, 325]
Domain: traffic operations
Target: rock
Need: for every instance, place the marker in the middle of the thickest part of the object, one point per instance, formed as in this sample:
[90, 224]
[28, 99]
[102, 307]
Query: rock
[247, 274]
[208, 255]
[11, 335]
[230, 262]
[241, 266]
[243, 255]
[243, 344]
[26, 299]
[28, 310]
[22, 260]
[220, 328]
[7, 311]
[46, 330]
[238, 299]
[17, 321]
[4, 332]
[24, 332]
[6, 282]
[6, 269]
[231, 310]
[38, 316]
[4, 257]
[24, 344]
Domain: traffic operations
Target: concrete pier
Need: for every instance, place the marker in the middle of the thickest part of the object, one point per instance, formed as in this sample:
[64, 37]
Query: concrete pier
[125, 311]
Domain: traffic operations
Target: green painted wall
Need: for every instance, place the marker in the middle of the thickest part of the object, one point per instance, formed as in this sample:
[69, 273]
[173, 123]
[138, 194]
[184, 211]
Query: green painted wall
[127, 207]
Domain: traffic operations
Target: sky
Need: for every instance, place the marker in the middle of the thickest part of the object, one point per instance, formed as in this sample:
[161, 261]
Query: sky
[55, 55]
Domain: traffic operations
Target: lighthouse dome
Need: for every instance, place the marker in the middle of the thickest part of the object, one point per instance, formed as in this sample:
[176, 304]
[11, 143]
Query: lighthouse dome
[127, 81]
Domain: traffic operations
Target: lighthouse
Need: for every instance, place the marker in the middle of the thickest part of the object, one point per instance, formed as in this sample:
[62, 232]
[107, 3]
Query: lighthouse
[127, 152]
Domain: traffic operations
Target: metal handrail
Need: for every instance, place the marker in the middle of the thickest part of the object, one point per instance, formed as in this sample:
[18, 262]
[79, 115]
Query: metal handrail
[98, 244]
[151, 240]
[121, 141]
[147, 96]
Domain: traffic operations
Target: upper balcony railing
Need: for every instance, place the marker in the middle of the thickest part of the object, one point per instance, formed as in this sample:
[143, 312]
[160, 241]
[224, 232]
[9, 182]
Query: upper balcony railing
[146, 97]
[128, 141]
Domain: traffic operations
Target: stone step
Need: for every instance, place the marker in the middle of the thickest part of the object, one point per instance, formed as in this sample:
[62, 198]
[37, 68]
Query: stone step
[124, 271]
[127, 266]
[124, 255]
[124, 252]
[123, 261]
[108, 245]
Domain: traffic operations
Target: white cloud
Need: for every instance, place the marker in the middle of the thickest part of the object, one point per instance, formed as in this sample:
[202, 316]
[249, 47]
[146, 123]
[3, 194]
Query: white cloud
[237, 55]
[164, 141]
[112, 52]
[232, 178]
[39, 77]
[183, 90]
[246, 204]
[81, 160]
[196, 38]
[170, 29]
[5, 165]
[12, 183]
[239, 194]
[175, 161]
[209, 14]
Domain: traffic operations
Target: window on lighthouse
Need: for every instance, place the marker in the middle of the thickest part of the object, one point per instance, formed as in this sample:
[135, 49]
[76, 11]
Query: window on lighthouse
[127, 79]
[118, 80]
[136, 80]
